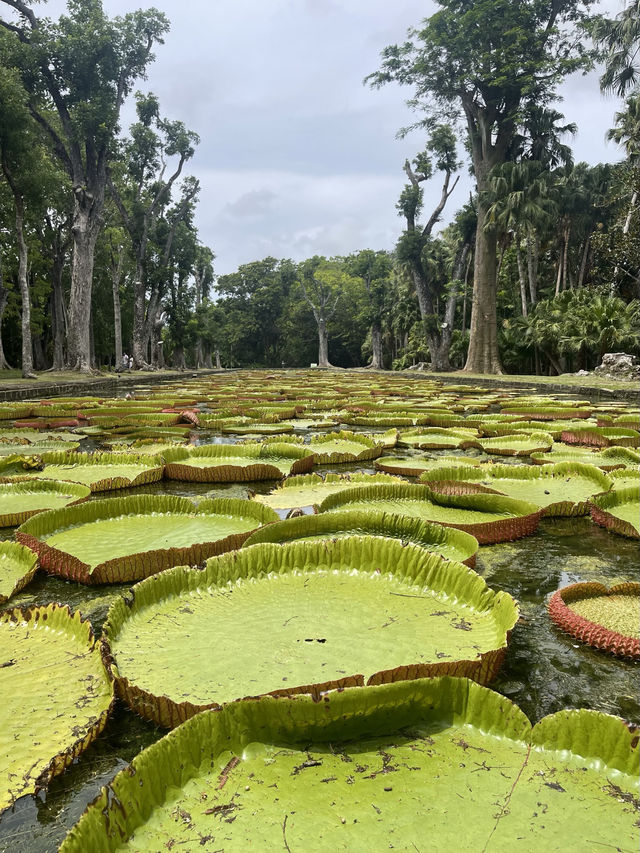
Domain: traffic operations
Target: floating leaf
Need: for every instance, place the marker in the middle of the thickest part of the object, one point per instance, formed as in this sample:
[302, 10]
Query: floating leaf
[56, 696]
[18, 565]
[619, 511]
[311, 489]
[125, 539]
[449, 543]
[19, 501]
[490, 518]
[299, 617]
[365, 766]
[608, 619]
[218, 463]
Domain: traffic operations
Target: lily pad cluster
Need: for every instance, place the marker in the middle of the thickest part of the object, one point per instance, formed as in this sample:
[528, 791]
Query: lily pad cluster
[342, 647]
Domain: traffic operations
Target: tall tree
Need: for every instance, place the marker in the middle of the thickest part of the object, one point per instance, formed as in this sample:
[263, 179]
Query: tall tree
[412, 246]
[487, 61]
[374, 270]
[79, 71]
[321, 283]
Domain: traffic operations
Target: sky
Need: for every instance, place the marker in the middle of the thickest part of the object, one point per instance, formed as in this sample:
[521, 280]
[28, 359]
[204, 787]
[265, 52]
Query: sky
[297, 157]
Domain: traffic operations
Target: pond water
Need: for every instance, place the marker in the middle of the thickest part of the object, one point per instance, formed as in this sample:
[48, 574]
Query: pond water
[544, 670]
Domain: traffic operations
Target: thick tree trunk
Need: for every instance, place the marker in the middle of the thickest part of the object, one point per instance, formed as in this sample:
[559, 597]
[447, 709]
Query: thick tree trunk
[584, 262]
[58, 313]
[4, 295]
[533, 258]
[483, 356]
[521, 277]
[85, 229]
[116, 276]
[206, 360]
[218, 362]
[377, 359]
[323, 343]
[141, 333]
[179, 361]
[23, 282]
[39, 358]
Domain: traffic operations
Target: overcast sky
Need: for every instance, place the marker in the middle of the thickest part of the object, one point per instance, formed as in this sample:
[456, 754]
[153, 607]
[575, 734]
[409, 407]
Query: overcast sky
[298, 157]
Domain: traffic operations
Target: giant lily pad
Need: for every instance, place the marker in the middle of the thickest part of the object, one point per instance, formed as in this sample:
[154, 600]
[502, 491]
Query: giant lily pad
[435, 438]
[296, 617]
[618, 510]
[562, 489]
[608, 619]
[19, 501]
[607, 459]
[602, 436]
[310, 489]
[366, 769]
[490, 518]
[216, 463]
[340, 447]
[18, 565]
[622, 478]
[449, 543]
[517, 444]
[414, 466]
[56, 696]
[100, 471]
[116, 540]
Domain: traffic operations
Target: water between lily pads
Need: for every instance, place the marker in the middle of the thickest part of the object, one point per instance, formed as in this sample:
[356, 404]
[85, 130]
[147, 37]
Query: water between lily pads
[544, 670]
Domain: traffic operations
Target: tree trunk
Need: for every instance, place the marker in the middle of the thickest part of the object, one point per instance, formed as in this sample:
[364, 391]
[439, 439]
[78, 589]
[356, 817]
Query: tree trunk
[521, 276]
[4, 295]
[377, 359]
[116, 276]
[584, 262]
[206, 359]
[39, 358]
[533, 255]
[58, 312]
[323, 343]
[23, 282]
[85, 229]
[140, 331]
[483, 356]
[178, 358]
[218, 362]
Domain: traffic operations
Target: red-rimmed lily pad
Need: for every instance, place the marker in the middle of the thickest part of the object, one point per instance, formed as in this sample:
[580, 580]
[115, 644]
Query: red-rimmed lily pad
[219, 463]
[18, 565]
[490, 518]
[619, 511]
[608, 459]
[365, 766]
[19, 501]
[300, 617]
[446, 541]
[516, 444]
[56, 696]
[560, 490]
[602, 436]
[101, 472]
[125, 539]
[309, 490]
[607, 618]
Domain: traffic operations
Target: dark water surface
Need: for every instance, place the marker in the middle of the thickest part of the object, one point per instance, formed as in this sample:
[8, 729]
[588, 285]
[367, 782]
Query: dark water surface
[544, 670]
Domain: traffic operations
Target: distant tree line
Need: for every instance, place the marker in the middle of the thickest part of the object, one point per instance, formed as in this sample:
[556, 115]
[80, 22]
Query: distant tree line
[539, 272]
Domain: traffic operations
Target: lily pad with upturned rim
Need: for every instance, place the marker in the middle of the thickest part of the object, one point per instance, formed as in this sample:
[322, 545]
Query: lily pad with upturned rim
[490, 518]
[365, 766]
[20, 500]
[602, 437]
[607, 618]
[619, 511]
[301, 617]
[309, 490]
[101, 472]
[517, 444]
[436, 438]
[126, 539]
[607, 459]
[446, 541]
[560, 490]
[219, 463]
[414, 466]
[56, 696]
[18, 565]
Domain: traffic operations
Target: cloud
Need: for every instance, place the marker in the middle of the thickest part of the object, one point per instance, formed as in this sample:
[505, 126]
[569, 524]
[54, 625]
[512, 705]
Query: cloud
[255, 203]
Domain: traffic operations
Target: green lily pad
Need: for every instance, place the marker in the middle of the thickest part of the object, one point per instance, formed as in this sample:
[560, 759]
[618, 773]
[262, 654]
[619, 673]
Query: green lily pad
[218, 463]
[340, 447]
[365, 766]
[311, 489]
[100, 471]
[125, 539]
[490, 518]
[414, 466]
[622, 478]
[56, 696]
[19, 501]
[18, 565]
[619, 511]
[449, 543]
[607, 459]
[517, 444]
[602, 436]
[271, 618]
[560, 490]
[435, 438]
[7, 449]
